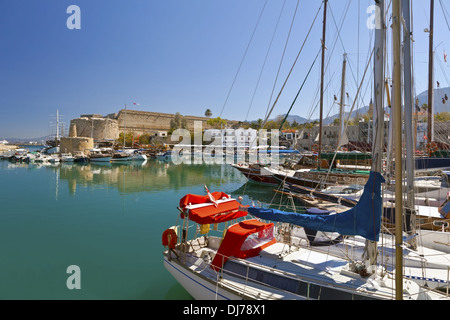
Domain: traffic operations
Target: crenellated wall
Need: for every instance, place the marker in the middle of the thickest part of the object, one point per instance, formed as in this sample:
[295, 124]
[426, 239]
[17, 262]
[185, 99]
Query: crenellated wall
[138, 122]
[141, 122]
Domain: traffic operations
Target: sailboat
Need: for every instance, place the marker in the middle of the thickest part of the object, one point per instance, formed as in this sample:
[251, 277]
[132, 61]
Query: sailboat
[255, 257]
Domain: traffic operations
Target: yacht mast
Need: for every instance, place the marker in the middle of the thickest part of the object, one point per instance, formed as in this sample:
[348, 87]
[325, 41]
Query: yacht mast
[430, 135]
[322, 73]
[397, 105]
[409, 106]
[342, 104]
[378, 112]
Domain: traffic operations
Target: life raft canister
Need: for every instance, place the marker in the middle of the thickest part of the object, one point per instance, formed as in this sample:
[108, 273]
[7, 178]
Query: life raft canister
[169, 238]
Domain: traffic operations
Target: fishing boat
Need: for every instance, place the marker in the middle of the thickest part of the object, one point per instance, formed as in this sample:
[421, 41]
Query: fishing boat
[96, 155]
[121, 157]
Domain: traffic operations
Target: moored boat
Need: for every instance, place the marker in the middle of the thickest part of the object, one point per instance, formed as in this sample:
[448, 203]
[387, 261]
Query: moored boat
[251, 260]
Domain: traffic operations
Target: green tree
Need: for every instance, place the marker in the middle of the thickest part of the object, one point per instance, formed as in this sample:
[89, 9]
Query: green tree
[128, 139]
[442, 117]
[178, 122]
[144, 139]
[295, 125]
[208, 113]
[217, 123]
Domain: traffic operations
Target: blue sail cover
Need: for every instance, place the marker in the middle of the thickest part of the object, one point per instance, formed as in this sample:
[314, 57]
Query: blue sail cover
[363, 220]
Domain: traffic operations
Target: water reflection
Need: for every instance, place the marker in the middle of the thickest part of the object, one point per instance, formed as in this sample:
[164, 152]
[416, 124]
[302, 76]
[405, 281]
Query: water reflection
[149, 176]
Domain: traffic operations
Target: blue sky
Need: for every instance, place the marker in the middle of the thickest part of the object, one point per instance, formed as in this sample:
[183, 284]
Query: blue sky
[182, 56]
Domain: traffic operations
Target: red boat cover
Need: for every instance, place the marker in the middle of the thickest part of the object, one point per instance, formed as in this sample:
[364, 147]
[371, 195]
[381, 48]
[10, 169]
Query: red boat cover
[244, 240]
[223, 212]
[195, 199]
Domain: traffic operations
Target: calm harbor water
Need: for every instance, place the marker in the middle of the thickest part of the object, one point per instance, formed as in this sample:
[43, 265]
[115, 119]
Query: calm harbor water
[107, 219]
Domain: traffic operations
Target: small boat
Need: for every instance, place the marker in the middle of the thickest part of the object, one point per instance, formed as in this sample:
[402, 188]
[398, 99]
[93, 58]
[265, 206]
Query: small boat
[164, 155]
[139, 156]
[121, 157]
[54, 158]
[96, 155]
[66, 157]
[80, 157]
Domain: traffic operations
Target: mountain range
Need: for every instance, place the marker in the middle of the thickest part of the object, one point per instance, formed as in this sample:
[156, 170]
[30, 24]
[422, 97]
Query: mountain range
[440, 105]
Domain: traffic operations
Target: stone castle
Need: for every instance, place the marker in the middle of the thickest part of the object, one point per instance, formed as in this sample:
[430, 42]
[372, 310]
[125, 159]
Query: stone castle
[110, 126]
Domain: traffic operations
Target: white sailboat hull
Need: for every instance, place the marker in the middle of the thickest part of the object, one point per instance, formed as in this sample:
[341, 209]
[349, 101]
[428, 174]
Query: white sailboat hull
[198, 288]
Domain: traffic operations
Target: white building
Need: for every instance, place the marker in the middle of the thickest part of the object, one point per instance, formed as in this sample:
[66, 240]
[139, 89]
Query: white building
[246, 138]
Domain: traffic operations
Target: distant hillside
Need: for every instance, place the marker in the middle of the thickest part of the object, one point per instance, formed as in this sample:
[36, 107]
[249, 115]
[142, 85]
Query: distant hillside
[439, 106]
[27, 140]
[439, 94]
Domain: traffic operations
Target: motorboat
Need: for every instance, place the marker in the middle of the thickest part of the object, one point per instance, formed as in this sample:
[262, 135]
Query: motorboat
[67, 157]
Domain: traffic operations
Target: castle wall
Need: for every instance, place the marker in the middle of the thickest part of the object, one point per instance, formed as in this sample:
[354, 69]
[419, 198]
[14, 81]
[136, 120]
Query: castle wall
[96, 127]
[141, 122]
[71, 145]
[138, 122]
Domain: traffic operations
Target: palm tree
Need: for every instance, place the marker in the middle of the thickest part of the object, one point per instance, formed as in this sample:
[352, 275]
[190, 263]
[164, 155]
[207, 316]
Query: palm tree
[208, 113]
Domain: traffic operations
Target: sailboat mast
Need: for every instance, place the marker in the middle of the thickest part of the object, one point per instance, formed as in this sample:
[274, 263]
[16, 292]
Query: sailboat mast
[397, 105]
[322, 74]
[430, 135]
[378, 113]
[409, 106]
[124, 126]
[342, 104]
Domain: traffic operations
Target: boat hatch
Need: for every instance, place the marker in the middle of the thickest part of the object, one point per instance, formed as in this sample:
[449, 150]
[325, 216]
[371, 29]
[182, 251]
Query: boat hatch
[244, 240]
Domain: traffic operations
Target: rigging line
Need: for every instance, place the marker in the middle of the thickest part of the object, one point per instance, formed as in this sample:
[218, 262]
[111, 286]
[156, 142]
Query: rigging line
[331, 53]
[292, 68]
[282, 58]
[243, 58]
[265, 59]
[301, 88]
[445, 12]
[338, 37]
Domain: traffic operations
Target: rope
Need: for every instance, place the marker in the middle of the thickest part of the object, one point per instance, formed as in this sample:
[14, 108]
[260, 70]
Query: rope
[298, 93]
[292, 68]
[265, 60]
[243, 58]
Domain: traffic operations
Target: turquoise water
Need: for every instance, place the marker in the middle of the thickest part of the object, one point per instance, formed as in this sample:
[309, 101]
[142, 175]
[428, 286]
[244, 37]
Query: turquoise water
[107, 219]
